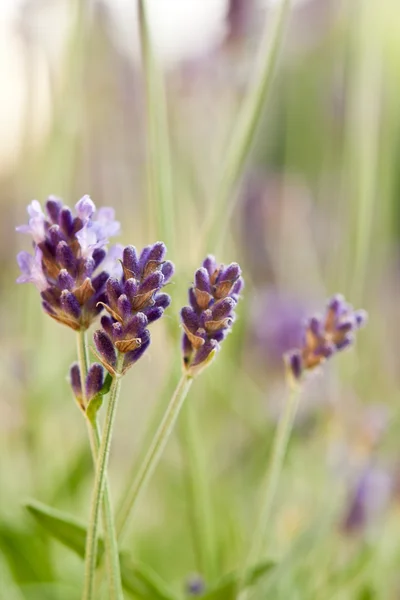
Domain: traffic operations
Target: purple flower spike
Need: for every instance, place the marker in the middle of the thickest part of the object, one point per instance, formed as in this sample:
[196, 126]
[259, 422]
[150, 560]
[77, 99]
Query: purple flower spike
[325, 336]
[133, 302]
[67, 251]
[208, 319]
[94, 380]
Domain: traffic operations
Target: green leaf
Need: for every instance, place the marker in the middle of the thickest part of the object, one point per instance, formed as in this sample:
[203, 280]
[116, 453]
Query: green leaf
[50, 591]
[138, 579]
[62, 526]
[227, 587]
[95, 403]
[26, 553]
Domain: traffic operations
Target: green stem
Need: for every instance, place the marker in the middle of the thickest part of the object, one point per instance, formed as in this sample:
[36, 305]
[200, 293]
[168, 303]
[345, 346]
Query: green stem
[110, 538]
[97, 495]
[159, 161]
[155, 451]
[198, 487]
[246, 123]
[280, 443]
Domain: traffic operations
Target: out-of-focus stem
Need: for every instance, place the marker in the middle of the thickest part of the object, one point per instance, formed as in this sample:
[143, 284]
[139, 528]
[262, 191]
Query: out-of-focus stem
[154, 452]
[200, 503]
[269, 488]
[246, 124]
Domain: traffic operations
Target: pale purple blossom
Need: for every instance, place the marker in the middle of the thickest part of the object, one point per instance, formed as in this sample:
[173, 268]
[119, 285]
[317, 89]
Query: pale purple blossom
[31, 269]
[85, 208]
[36, 225]
[96, 231]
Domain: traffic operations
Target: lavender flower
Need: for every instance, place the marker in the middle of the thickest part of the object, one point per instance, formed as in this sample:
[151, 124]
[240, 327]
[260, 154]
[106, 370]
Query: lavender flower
[68, 254]
[133, 302]
[324, 336]
[93, 383]
[210, 315]
[367, 500]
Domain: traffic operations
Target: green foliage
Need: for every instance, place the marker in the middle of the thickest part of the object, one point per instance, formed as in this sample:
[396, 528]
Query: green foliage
[138, 579]
[227, 588]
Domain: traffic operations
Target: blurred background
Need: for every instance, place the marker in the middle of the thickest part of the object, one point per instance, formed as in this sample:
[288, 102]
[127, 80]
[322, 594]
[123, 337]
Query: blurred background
[316, 212]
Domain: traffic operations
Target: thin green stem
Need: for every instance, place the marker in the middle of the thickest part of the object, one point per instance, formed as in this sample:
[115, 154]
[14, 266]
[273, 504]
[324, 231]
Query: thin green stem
[198, 488]
[280, 443]
[110, 538]
[98, 491]
[159, 169]
[154, 452]
[246, 123]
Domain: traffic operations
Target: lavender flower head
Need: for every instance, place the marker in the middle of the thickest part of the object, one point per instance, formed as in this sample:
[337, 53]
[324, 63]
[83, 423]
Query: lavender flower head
[326, 335]
[69, 258]
[93, 383]
[209, 318]
[133, 302]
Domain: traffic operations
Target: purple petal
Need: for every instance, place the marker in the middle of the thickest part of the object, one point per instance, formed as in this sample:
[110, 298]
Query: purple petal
[31, 269]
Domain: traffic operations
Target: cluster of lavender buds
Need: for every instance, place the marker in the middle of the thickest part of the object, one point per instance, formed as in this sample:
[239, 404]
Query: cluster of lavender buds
[70, 265]
[133, 302]
[326, 335]
[209, 318]
[93, 383]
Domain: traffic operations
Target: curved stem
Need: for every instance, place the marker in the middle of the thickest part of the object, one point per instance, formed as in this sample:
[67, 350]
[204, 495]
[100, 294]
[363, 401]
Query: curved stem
[154, 452]
[100, 494]
[280, 443]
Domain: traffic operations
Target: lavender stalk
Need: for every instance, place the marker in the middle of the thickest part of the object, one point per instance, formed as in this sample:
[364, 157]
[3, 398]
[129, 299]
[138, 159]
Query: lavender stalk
[132, 302]
[70, 267]
[99, 485]
[110, 538]
[324, 336]
[206, 322]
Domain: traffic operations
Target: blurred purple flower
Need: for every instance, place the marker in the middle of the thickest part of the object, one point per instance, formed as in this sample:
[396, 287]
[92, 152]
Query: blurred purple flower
[276, 324]
[367, 500]
[195, 585]
[209, 318]
[325, 335]
[68, 254]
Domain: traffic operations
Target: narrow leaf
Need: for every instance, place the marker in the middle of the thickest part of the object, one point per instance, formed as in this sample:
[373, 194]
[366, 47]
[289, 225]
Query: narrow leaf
[228, 586]
[27, 555]
[95, 403]
[246, 124]
[138, 579]
[158, 139]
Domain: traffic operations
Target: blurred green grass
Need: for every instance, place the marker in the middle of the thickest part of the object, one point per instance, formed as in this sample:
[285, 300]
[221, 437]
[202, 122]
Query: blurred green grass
[329, 142]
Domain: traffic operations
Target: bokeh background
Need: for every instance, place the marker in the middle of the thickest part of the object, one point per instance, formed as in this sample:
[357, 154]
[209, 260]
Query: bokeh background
[316, 212]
